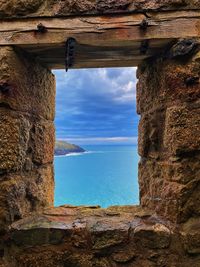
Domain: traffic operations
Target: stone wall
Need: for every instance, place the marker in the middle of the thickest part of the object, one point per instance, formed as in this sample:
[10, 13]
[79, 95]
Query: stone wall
[168, 99]
[92, 237]
[35, 8]
[163, 231]
[27, 96]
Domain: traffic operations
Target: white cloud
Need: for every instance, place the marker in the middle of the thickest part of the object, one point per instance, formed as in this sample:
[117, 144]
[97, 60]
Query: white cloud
[96, 102]
[118, 84]
[104, 140]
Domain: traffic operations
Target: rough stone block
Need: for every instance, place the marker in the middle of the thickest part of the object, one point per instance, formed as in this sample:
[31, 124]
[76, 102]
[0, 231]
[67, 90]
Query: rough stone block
[26, 85]
[191, 236]
[124, 256]
[143, 136]
[106, 234]
[149, 86]
[18, 7]
[74, 7]
[23, 193]
[164, 83]
[176, 201]
[40, 188]
[182, 129]
[183, 170]
[14, 137]
[150, 134]
[43, 139]
[151, 182]
[152, 236]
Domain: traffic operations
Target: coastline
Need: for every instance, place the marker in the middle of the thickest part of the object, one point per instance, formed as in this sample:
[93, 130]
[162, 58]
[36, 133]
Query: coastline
[72, 154]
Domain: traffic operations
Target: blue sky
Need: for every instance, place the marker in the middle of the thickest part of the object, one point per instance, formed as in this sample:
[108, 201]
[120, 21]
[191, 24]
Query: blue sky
[96, 106]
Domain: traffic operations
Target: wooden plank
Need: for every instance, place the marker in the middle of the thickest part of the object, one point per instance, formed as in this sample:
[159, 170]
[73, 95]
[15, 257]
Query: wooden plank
[100, 38]
[101, 30]
[97, 64]
[93, 56]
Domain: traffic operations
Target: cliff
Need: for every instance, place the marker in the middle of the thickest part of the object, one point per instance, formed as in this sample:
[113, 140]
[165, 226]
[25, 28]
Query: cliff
[64, 148]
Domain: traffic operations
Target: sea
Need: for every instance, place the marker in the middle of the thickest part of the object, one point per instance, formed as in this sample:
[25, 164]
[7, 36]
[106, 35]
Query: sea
[104, 176]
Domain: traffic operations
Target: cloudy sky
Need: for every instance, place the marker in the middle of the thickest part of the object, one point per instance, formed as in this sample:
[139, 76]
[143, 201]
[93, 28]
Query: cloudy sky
[96, 106]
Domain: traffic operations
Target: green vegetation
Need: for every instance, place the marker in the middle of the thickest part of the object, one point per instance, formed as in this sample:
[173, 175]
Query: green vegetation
[64, 148]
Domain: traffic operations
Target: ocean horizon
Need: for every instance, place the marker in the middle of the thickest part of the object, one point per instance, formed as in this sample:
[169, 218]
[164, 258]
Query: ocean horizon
[104, 175]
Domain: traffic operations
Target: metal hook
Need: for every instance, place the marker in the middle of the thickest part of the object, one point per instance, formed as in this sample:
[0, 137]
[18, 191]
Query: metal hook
[70, 52]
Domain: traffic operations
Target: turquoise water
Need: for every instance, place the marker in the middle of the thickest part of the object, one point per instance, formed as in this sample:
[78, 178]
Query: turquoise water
[105, 176]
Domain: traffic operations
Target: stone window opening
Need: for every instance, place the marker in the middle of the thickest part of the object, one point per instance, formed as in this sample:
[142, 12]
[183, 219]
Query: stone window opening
[92, 236]
[162, 39]
[106, 123]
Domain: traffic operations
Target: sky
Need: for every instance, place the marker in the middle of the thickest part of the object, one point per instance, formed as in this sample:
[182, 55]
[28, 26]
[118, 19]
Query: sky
[96, 106]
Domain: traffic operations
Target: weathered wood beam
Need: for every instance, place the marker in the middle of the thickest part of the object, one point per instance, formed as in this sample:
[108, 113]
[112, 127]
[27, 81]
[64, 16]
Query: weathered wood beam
[98, 56]
[101, 39]
[101, 30]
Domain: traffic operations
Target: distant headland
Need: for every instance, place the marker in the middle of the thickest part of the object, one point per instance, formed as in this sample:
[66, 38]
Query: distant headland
[63, 148]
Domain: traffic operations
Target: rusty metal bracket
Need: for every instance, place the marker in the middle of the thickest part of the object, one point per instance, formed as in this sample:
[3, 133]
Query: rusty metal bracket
[144, 47]
[70, 53]
[41, 28]
[144, 25]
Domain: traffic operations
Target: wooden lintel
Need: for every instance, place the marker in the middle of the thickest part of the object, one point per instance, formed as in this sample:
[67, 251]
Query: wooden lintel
[102, 40]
